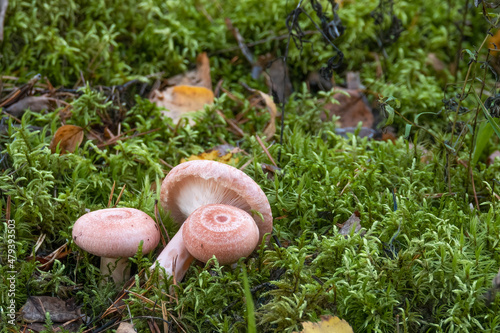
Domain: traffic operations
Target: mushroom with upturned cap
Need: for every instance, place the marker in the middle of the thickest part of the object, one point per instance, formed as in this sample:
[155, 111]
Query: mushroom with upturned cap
[114, 233]
[195, 184]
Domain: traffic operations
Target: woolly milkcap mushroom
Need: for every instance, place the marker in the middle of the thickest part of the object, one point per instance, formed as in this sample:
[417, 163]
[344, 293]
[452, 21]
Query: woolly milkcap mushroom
[223, 231]
[194, 184]
[114, 233]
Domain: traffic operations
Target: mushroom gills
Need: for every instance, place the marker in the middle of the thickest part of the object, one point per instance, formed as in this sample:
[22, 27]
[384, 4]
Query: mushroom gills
[197, 192]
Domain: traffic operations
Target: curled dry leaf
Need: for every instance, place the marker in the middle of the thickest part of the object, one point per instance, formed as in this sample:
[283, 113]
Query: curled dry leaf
[68, 137]
[36, 307]
[328, 324]
[275, 69]
[270, 129]
[33, 103]
[180, 100]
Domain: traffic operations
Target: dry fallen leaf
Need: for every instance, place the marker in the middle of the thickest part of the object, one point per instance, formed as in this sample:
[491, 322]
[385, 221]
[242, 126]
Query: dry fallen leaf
[69, 137]
[267, 100]
[494, 42]
[279, 84]
[214, 155]
[492, 157]
[328, 324]
[315, 82]
[34, 103]
[125, 328]
[200, 77]
[36, 307]
[180, 100]
[351, 223]
[351, 109]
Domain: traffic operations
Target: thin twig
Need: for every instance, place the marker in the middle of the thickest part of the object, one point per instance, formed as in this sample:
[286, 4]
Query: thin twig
[246, 164]
[231, 123]
[474, 187]
[265, 150]
[111, 194]
[119, 195]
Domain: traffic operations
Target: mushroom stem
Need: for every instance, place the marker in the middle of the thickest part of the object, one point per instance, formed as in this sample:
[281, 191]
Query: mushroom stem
[175, 251]
[118, 268]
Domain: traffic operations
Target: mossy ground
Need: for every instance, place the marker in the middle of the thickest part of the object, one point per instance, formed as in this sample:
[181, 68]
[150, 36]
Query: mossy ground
[423, 266]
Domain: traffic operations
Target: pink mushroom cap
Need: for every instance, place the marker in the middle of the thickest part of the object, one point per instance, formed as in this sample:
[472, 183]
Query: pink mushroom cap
[116, 232]
[223, 231]
[194, 184]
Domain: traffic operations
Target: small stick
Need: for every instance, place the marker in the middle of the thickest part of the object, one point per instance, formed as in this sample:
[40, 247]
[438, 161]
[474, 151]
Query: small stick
[246, 164]
[38, 243]
[232, 124]
[120, 195]
[7, 209]
[166, 164]
[265, 150]
[474, 188]
[111, 194]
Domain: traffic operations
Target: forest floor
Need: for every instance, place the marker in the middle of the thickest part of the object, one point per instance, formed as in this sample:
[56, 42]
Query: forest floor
[371, 126]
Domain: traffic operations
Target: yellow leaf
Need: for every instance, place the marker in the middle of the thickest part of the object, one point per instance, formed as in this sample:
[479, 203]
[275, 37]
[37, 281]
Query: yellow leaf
[180, 100]
[69, 137]
[328, 324]
[270, 129]
[214, 156]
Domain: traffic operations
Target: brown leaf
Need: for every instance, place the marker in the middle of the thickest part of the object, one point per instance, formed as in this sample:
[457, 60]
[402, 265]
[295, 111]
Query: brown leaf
[69, 137]
[351, 109]
[492, 157]
[494, 42]
[279, 84]
[125, 328]
[315, 82]
[267, 100]
[350, 224]
[33, 103]
[270, 170]
[180, 100]
[36, 307]
[200, 77]
[70, 326]
[328, 324]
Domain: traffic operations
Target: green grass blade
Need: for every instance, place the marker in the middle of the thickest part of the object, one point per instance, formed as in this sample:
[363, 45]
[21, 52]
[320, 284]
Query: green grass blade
[483, 136]
[492, 121]
[251, 326]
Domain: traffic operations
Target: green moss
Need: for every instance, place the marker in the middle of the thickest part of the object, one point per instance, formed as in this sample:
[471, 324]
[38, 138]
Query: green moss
[422, 267]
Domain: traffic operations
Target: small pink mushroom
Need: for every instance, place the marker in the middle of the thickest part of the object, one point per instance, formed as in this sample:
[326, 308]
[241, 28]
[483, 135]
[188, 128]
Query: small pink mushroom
[195, 184]
[223, 231]
[114, 234]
